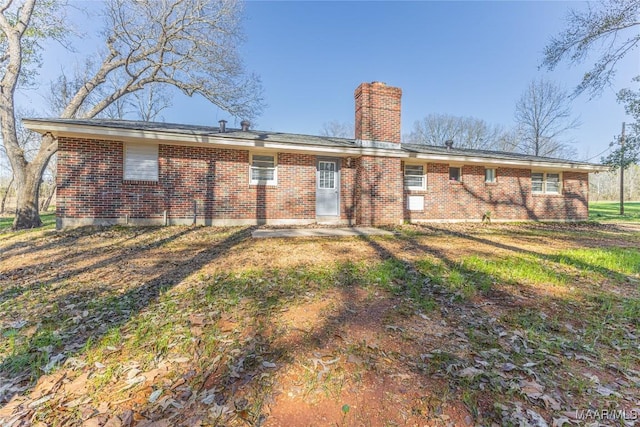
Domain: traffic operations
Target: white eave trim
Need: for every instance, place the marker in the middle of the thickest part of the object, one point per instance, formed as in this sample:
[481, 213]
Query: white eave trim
[151, 136]
[514, 163]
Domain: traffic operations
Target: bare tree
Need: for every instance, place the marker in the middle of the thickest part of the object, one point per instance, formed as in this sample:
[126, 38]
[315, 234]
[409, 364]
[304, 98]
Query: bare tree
[466, 132]
[509, 141]
[188, 44]
[337, 129]
[543, 117]
[149, 103]
[23, 25]
[609, 27]
[145, 104]
[606, 185]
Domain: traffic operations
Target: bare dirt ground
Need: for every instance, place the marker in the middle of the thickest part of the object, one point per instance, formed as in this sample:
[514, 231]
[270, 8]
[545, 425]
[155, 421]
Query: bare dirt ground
[458, 325]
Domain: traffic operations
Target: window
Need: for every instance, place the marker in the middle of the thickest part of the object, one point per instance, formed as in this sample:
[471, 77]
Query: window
[537, 182]
[455, 174]
[553, 183]
[140, 162]
[326, 175]
[547, 183]
[490, 175]
[414, 178]
[263, 169]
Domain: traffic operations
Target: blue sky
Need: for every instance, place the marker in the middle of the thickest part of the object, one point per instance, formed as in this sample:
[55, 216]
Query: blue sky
[460, 58]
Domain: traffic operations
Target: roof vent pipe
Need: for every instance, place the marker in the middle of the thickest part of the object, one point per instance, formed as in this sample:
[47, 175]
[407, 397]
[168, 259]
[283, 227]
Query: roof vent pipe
[448, 143]
[223, 126]
[245, 125]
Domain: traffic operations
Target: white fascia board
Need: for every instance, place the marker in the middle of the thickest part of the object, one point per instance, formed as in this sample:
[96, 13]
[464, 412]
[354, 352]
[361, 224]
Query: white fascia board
[155, 137]
[512, 163]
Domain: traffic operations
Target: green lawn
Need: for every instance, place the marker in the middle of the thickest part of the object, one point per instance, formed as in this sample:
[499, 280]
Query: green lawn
[48, 220]
[610, 211]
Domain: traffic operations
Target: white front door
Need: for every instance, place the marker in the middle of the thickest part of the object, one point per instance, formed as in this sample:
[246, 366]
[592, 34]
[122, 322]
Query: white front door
[328, 187]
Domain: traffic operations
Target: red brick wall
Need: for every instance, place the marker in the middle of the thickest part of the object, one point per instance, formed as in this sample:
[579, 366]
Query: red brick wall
[510, 198]
[379, 195]
[378, 112]
[85, 183]
[90, 185]
[348, 199]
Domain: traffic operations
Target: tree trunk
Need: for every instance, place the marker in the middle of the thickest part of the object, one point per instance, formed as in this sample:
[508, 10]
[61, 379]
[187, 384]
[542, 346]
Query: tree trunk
[4, 197]
[27, 214]
[47, 201]
[28, 184]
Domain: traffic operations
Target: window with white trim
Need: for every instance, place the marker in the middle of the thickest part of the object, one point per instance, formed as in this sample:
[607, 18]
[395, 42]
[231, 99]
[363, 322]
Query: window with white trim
[327, 175]
[490, 175]
[455, 174]
[140, 162]
[545, 182]
[414, 178]
[263, 169]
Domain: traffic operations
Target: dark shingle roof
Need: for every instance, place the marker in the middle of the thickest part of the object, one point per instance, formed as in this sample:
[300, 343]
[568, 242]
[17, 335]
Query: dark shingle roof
[198, 130]
[505, 155]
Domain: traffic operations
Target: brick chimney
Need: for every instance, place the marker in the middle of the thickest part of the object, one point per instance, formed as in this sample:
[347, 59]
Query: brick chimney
[378, 114]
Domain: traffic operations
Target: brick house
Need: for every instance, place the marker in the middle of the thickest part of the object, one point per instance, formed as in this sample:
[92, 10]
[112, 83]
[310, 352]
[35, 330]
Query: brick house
[116, 172]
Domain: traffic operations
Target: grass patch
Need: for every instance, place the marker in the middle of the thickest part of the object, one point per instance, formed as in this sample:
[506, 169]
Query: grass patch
[461, 278]
[609, 262]
[610, 211]
[514, 270]
[48, 221]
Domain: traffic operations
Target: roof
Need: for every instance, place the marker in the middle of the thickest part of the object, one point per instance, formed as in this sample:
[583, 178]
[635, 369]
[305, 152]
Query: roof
[434, 149]
[199, 130]
[128, 130]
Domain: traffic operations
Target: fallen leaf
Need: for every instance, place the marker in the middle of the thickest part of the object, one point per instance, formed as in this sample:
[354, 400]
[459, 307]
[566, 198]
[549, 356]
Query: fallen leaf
[605, 391]
[532, 389]
[127, 418]
[208, 398]
[103, 408]
[40, 401]
[197, 319]
[45, 385]
[536, 418]
[113, 422]
[180, 360]
[470, 372]
[133, 373]
[155, 395]
[550, 402]
[93, 422]
[356, 360]
[17, 324]
[507, 367]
